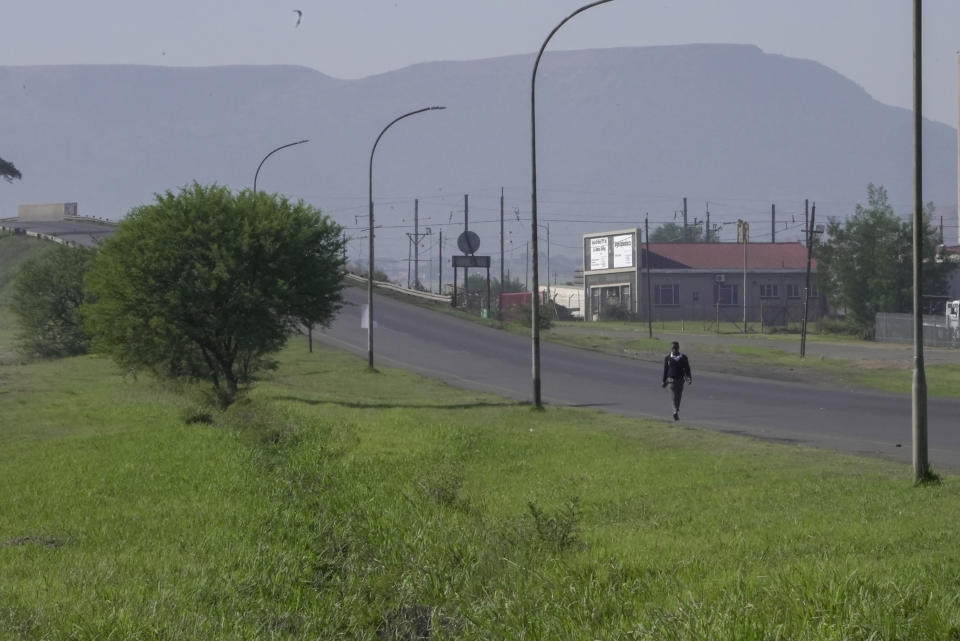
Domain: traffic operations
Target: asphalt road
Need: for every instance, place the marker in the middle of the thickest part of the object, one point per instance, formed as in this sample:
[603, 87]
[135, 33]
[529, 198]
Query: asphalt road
[472, 356]
[87, 232]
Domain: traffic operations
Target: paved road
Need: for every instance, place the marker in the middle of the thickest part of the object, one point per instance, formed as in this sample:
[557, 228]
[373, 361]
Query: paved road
[88, 232]
[476, 357]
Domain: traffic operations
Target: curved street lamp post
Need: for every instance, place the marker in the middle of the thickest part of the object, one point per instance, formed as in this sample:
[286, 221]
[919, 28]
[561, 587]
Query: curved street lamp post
[369, 314]
[535, 303]
[299, 142]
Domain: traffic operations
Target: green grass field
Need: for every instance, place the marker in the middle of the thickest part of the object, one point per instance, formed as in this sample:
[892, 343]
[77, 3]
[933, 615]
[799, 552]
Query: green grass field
[335, 503]
[341, 504]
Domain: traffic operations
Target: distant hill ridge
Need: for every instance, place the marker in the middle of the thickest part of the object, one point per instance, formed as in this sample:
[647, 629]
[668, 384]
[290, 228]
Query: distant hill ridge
[621, 132]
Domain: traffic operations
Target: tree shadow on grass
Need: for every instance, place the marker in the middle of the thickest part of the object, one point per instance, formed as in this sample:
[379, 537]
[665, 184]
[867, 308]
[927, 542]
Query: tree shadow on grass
[437, 406]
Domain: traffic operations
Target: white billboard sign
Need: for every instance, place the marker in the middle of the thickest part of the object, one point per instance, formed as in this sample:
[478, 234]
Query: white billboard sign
[623, 251]
[599, 251]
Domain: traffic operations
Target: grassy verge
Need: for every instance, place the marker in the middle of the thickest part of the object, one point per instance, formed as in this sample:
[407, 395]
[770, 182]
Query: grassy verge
[775, 359]
[336, 503]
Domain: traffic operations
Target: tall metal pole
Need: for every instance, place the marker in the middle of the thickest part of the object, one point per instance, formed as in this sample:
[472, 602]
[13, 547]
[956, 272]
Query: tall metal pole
[466, 228]
[500, 297]
[646, 234]
[370, 201]
[921, 468]
[535, 302]
[686, 232]
[773, 223]
[548, 263]
[806, 289]
[257, 173]
[416, 243]
[745, 237]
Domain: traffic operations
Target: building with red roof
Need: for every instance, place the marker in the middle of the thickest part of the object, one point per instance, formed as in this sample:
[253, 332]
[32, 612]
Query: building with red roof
[762, 282]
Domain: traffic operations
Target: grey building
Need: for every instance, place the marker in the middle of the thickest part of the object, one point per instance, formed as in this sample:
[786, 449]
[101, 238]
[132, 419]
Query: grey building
[696, 281]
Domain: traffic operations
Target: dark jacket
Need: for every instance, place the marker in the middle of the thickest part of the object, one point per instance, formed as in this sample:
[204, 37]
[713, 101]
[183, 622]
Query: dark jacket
[676, 367]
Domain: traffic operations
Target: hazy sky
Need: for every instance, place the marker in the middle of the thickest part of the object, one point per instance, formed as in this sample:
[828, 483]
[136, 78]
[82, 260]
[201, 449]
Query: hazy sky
[869, 41]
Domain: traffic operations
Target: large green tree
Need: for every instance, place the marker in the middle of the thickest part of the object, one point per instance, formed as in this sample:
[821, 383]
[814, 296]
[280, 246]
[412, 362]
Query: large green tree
[8, 171]
[47, 297]
[206, 285]
[865, 264]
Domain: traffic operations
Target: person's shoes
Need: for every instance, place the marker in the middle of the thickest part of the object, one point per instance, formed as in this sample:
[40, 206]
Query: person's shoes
[676, 416]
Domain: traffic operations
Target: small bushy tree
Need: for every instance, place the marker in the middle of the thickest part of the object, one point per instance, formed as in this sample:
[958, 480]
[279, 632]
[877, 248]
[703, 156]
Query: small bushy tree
[206, 285]
[46, 299]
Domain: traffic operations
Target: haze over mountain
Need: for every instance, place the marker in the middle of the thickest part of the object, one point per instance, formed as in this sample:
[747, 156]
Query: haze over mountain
[620, 133]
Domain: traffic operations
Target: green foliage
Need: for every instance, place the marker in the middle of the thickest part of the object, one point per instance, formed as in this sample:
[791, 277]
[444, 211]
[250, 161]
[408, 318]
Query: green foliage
[47, 294]
[15, 249]
[206, 285]
[8, 171]
[523, 314]
[477, 281]
[866, 264]
[559, 527]
[673, 233]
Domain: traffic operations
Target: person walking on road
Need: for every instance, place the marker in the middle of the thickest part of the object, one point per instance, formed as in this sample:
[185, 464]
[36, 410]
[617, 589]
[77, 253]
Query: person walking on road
[676, 372]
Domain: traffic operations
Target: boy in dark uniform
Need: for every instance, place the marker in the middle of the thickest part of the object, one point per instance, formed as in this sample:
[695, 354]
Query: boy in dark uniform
[676, 372]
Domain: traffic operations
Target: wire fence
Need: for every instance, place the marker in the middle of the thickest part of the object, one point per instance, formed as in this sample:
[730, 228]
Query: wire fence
[763, 319]
[898, 328]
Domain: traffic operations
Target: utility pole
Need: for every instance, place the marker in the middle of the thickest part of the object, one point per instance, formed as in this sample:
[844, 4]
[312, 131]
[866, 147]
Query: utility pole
[646, 233]
[466, 228]
[440, 265]
[409, 249]
[921, 468]
[686, 233]
[806, 289]
[415, 238]
[743, 233]
[773, 222]
[500, 297]
[548, 262]
[416, 243]
[806, 214]
[707, 233]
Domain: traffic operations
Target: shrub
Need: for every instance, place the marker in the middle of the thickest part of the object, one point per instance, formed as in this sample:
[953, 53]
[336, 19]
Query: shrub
[47, 296]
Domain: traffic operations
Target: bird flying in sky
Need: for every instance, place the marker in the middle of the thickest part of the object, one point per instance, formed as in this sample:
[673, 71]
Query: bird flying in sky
[299, 16]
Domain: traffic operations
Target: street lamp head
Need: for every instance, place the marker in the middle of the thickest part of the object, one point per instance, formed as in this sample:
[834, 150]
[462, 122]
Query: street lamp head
[255, 175]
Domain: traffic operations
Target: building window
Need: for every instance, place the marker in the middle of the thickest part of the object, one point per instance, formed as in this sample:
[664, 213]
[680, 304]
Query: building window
[769, 291]
[796, 291]
[696, 297]
[607, 297]
[724, 294]
[666, 294]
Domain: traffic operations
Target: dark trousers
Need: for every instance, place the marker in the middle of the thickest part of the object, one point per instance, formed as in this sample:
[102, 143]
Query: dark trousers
[676, 388]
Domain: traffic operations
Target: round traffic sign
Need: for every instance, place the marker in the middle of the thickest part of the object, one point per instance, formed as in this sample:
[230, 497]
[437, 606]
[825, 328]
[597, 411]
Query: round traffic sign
[468, 242]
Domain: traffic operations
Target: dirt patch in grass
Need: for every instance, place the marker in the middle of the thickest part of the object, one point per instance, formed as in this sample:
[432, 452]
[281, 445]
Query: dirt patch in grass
[33, 539]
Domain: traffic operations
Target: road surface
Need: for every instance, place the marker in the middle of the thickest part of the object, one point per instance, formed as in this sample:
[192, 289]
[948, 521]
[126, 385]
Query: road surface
[473, 356]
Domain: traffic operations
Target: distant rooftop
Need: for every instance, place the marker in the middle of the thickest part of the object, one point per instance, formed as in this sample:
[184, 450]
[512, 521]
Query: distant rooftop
[728, 256]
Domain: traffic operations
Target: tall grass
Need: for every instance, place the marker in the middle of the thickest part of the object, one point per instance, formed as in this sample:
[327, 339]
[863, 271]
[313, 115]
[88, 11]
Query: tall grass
[341, 504]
